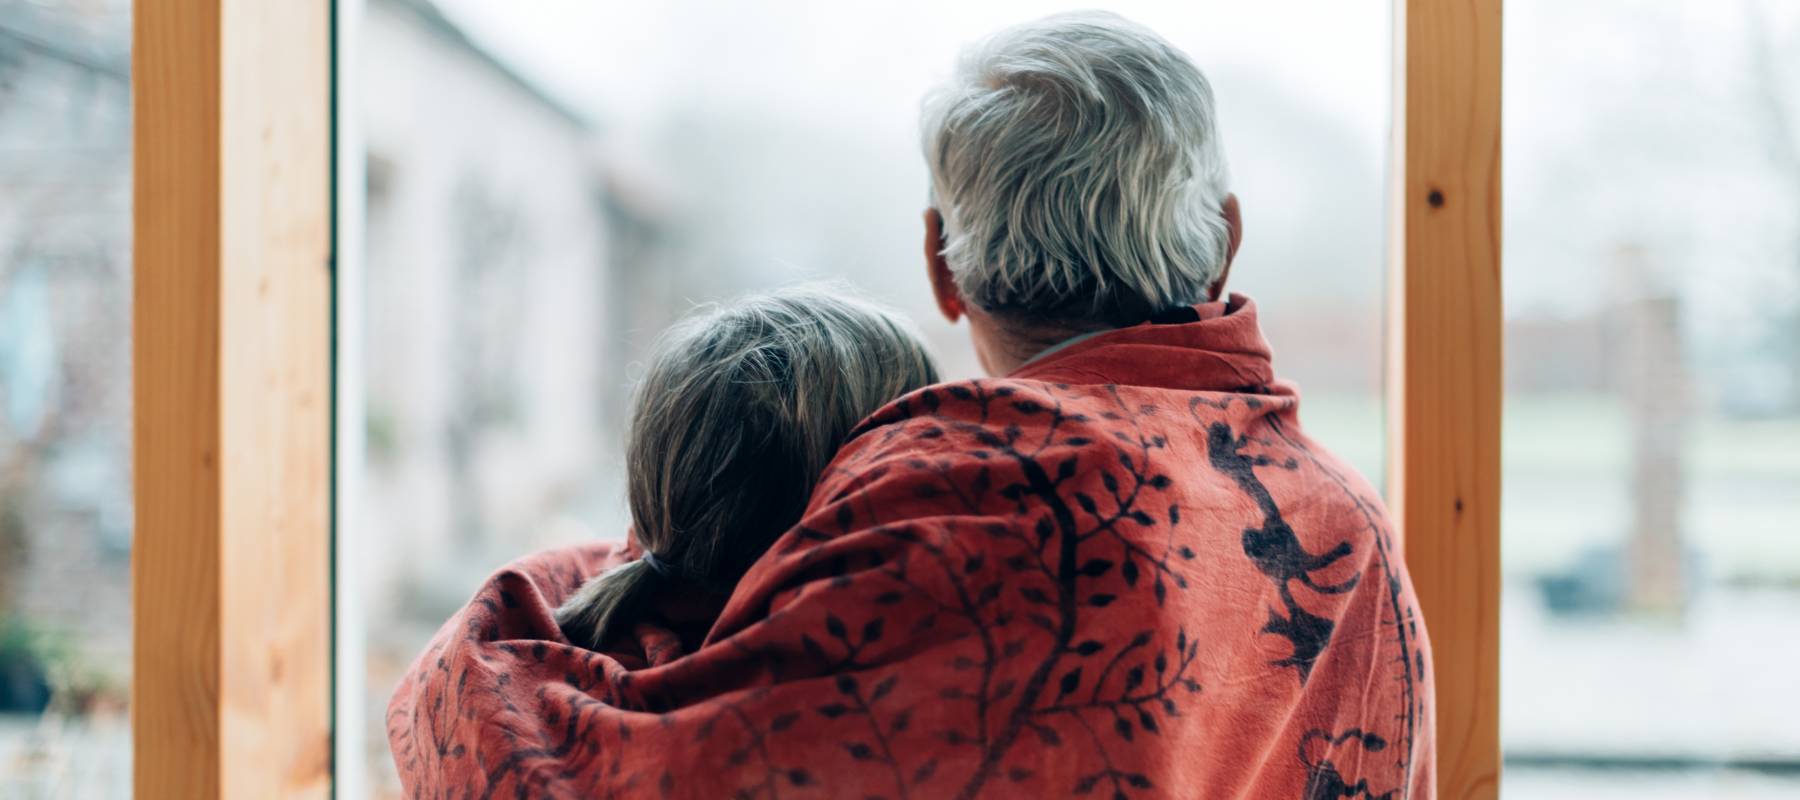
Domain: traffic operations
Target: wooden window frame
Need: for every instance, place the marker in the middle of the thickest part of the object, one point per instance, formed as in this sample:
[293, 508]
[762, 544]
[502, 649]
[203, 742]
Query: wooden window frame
[233, 388]
[1444, 364]
[231, 367]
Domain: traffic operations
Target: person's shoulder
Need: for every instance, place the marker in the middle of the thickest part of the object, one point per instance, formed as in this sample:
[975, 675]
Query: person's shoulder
[949, 426]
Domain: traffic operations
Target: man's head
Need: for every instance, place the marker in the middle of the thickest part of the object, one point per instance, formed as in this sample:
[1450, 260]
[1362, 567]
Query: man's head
[1077, 184]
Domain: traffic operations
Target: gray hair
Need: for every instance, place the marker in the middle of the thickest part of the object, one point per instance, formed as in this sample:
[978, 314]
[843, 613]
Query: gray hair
[742, 407]
[1075, 162]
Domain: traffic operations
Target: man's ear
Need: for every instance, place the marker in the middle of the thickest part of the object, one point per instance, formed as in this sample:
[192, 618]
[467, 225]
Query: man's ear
[943, 285]
[1234, 224]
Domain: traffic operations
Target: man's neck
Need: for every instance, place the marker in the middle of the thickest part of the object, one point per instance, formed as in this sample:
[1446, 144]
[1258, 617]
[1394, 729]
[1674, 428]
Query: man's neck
[1007, 345]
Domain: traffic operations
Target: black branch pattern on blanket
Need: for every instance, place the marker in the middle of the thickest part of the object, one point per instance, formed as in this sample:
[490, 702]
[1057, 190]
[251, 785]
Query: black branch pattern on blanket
[1277, 552]
[1070, 548]
[1069, 557]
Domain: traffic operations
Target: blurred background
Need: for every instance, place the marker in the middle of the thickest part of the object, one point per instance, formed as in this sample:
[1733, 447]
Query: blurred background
[549, 184]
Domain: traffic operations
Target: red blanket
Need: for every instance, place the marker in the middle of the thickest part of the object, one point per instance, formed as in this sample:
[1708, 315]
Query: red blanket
[1123, 571]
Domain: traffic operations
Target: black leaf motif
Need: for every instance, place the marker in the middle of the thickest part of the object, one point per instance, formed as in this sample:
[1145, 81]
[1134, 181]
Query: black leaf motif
[1147, 722]
[884, 687]
[833, 710]
[835, 626]
[846, 684]
[889, 598]
[1096, 567]
[982, 483]
[1087, 784]
[813, 648]
[783, 721]
[859, 751]
[1047, 735]
[925, 771]
[1035, 595]
[1086, 503]
[1070, 682]
[1186, 552]
[902, 720]
[972, 565]
[1111, 483]
[1019, 774]
[1174, 515]
[1066, 469]
[1160, 482]
[1089, 647]
[988, 594]
[1143, 519]
[1101, 600]
[960, 392]
[1139, 780]
[1123, 726]
[1028, 406]
[799, 777]
[1004, 690]
[872, 630]
[1162, 592]
[1044, 528]
[1134, 678]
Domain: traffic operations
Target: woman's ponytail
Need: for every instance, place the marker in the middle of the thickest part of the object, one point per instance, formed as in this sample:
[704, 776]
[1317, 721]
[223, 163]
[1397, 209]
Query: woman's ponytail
[612, 597]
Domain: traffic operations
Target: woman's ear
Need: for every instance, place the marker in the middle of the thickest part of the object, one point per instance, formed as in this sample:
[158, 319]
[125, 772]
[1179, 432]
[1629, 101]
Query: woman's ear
[943, 285]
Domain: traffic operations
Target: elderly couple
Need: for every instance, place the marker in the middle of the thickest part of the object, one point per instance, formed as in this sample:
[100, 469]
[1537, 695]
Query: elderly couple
[1120, 567]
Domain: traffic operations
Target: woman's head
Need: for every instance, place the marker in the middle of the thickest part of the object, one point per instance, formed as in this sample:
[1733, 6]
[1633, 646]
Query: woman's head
[739, 411]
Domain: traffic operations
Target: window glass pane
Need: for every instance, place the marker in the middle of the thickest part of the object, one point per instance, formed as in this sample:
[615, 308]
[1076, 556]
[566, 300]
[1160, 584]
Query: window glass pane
[550, 184]
[1651, 620]
[65, 393]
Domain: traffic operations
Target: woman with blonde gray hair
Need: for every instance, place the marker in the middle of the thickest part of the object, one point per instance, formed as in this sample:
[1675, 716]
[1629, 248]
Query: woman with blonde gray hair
[741, 407]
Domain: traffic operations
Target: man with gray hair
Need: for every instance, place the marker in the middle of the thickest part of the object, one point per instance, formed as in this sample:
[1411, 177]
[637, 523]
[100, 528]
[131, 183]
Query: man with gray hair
[1119, 566]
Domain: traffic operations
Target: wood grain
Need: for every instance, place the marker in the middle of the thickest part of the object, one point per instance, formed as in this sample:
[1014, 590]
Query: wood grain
[231, 313]
[1445, 364]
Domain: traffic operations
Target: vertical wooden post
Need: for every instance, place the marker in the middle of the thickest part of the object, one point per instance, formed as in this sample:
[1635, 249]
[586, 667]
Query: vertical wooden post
[1445, 364]
[231, 311]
